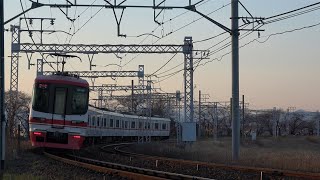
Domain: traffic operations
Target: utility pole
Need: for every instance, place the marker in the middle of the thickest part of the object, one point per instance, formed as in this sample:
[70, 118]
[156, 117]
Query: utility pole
[243, 106]
[199, 119]
[318, 123]
[215, 124]
[235, 80]
[2, 116]
[132, 94]
[274, 122]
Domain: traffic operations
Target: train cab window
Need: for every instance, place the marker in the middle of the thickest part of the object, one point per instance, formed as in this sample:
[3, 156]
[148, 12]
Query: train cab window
[156, 126]
[89, 121]
[133, 125]
[40, 100]
[98, 121]
[79, 103]
[118, 123]
[164, 126]
[60, 100]
[111, 123]
[140, 125]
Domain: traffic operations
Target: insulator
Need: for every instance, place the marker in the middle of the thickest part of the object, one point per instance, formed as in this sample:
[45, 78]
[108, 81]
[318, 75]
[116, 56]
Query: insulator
[30, 21]
[30, 34]
[52, 21]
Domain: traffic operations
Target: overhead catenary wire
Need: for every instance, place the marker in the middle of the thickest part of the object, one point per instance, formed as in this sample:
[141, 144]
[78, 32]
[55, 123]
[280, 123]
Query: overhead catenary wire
[292, 15]
[217, 50]
[180, 28]
[25, 18]
[295, 10]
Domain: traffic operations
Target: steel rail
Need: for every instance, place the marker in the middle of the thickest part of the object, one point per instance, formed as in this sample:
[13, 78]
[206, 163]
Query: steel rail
[119, 169]
[199, 164]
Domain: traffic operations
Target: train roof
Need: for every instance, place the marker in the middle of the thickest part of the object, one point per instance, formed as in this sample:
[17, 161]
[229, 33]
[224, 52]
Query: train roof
[63, 79]
[125, 115]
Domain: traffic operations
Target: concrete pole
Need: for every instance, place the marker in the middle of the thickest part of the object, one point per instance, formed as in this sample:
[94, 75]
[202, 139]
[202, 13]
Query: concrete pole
[215, 111]
[318, 123]
[199, 119]
[132, 92]
[243, 108]
[274, 122]
[235, 80]
[2, 115]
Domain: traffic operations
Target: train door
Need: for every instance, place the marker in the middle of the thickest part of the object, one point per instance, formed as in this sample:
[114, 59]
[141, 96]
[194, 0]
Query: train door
[59, 106]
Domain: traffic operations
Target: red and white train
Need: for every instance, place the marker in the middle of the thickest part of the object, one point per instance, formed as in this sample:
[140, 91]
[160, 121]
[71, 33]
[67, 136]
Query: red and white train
[60, 116]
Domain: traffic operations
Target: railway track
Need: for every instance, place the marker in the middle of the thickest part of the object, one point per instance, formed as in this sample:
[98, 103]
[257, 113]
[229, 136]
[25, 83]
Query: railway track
[119, 169]
[265, 173]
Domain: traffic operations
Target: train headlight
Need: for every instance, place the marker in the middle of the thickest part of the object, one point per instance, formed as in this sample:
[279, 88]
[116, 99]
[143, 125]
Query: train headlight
[76, 137]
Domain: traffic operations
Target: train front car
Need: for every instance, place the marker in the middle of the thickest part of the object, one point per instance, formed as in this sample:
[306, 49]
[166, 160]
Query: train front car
[59, 112]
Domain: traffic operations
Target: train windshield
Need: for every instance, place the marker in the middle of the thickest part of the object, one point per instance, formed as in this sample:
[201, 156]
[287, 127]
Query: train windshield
[79, 103]
[60, 99]
[41, 98]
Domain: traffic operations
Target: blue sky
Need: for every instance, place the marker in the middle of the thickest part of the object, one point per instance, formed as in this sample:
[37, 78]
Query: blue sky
[282, 72]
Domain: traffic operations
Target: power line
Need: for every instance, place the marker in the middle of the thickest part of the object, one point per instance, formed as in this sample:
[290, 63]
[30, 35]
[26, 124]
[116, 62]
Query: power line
[207, 39]
[216, 51]
[198, 62]
[288, 12]
[182, 27]
[164, 64]
[267, 38]
[292, 15]
[25, 18]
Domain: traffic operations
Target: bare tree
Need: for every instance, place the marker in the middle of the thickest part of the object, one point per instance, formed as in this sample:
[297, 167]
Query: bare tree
[296, 123]
[17, 112]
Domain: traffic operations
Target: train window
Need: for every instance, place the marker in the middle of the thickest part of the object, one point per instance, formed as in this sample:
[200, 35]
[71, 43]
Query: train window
[133, 124]
[140, 125]
[98, 121]
[104, 122]
[149, 125]
[93, 120]
[40, 100]
[156, 125]
[79, 103]
[111, 122]
[164, 126]
[126, 124]
[60, 100]
[118, 123]
[122, 124]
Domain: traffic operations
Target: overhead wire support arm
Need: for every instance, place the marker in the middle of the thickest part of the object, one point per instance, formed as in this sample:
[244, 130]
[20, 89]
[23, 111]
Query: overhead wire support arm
[109, 6]
[34, 5]
[109, 87]
[96, 48]
[156, 15]
[96, 74]
[193, 8]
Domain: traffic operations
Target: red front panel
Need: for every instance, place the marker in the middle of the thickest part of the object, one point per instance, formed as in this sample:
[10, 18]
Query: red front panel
[74, 141]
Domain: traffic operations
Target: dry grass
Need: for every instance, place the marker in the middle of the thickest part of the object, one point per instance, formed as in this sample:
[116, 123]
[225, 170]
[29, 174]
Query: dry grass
[290, 153]
[20, 177]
